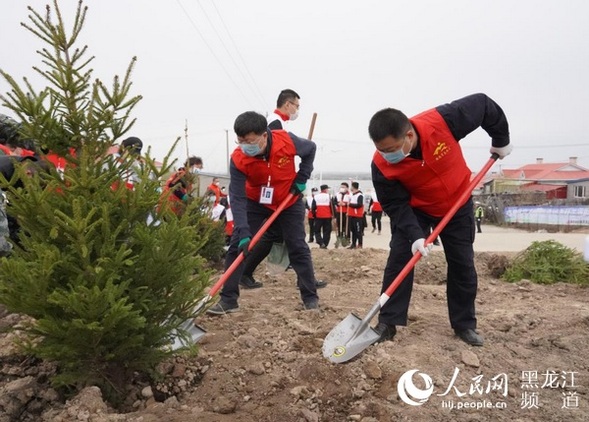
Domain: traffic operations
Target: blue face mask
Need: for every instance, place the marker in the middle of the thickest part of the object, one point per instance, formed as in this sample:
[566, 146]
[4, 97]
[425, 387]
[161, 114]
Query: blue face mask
[396, 156]
[250, 150]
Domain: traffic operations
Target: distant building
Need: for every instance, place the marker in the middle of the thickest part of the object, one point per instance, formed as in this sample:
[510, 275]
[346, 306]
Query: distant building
[554, 180]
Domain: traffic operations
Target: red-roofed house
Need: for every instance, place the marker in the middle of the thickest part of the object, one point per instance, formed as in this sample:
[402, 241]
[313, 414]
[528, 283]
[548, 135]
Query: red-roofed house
[556, 180]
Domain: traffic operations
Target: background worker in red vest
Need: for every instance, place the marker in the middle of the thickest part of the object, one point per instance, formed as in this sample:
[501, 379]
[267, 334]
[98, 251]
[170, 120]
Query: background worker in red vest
[341, 200]
[419, 172]
[375, 213]
[180, 183]
[263, 173]
[356, 216]
[322, 208]
[214, 191]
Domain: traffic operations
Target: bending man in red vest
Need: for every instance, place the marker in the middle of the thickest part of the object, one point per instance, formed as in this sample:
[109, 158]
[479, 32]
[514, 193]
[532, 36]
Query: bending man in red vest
[263, 173]
[419, 172]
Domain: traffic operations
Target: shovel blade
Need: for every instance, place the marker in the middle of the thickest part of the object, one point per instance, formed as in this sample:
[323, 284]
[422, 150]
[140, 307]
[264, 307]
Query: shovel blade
[344, 241]
[195, 333]
[348, 339]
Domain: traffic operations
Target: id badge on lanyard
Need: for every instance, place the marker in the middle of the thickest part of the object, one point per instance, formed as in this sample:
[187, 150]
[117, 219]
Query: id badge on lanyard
[267, 192]
[266, 195]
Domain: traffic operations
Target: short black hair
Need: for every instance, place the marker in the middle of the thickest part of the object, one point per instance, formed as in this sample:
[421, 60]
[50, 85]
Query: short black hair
[132, 144]
[388, 122]
[193, 161]
[286, 95]
[355, 185]
[249, 122]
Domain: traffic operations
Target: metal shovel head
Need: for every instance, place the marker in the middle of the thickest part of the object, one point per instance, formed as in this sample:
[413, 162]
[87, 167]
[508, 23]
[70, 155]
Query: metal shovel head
[344, 241]
[347, 339]
[195, 333]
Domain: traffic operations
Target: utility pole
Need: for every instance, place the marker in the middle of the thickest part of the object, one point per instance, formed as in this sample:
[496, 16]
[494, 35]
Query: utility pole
[227, 146]
[186, 138]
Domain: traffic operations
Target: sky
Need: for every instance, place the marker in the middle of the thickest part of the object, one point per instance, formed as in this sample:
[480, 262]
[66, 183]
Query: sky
[200, 63]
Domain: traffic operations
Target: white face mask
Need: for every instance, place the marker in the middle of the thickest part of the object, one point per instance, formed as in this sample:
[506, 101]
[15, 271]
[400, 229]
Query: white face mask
[195, 170]
[295, 115]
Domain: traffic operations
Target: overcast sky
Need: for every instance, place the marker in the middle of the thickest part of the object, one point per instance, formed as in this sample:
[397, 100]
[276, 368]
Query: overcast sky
[205, 62]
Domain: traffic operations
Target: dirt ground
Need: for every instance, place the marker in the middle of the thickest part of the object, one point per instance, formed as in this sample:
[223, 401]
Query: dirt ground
[265, 364]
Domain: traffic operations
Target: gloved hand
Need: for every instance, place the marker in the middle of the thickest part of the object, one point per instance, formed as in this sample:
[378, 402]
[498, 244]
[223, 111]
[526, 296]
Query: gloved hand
[418, 245]
[502, 152]
[243, 246]
[298, 188]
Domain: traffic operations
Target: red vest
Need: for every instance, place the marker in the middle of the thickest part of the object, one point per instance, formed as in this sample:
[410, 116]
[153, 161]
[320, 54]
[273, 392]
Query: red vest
[323, 203]
[355, 199]
[344, 198]
[436, 181]
[176, 204]
[376, 207]
[279, 171]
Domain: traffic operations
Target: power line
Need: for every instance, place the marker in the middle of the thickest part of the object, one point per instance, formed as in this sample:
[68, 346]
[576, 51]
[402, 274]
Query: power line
[213, 52]
[256, 89]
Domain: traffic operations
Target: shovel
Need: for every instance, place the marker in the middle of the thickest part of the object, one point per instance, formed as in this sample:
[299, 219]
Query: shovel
[342, 239]
[194, 332]
[352, 335]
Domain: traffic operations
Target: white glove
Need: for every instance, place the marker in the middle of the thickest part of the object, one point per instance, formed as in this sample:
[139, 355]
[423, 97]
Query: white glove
[418, 245]
[502, 152]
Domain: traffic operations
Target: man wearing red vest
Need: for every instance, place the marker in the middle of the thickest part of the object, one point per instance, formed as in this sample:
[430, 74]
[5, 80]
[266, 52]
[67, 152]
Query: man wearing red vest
[356, 216]
[322, 209]
[263, 173]
[375, 213]
[419, 172]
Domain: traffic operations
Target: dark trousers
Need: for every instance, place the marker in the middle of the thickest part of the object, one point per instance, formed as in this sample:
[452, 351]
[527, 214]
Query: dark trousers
[461, 286]
[291, 224]
[479, 219]
[262, 249]
[311, 228]
[357, 230]
[323, 231]
[376, 220]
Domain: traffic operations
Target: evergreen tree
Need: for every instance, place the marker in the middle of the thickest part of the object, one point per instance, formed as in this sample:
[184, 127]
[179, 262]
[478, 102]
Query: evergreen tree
[106, 273]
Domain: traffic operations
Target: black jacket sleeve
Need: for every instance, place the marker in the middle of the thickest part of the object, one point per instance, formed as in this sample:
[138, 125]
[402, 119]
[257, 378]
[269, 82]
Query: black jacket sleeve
[394, 199]
[467, 114]
[238, 200]
[306, 150]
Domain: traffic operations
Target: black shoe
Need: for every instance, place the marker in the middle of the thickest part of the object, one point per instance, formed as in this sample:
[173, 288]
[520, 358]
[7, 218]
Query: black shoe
[351, 247]
[310, 241]
[470, 336]
[322, 246]
[248, 282]
[320, 283]
[221, 308]
[386, 332]
[311, 304]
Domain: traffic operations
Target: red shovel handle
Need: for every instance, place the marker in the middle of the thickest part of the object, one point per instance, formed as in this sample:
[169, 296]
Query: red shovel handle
[440, 226]
[217, 286]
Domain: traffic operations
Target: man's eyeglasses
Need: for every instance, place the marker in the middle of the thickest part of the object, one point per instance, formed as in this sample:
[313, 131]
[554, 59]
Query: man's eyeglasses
[295, 104]
[251, 141]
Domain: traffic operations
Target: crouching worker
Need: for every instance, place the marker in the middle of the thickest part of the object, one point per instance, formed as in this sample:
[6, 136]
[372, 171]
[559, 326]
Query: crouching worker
[263, 173]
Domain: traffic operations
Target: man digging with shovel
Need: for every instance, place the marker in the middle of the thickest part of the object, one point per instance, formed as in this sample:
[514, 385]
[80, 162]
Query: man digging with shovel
[419, 173]
[263, 175]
